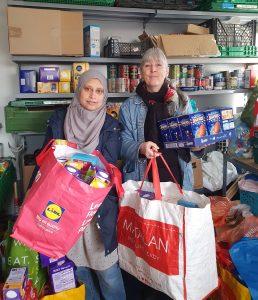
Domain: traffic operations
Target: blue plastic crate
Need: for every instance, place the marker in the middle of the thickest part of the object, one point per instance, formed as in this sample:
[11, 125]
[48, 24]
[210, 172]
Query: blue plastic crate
[250, 199]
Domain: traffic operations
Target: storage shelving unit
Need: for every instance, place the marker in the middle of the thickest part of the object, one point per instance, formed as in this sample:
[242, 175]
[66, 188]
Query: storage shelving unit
[144, 15]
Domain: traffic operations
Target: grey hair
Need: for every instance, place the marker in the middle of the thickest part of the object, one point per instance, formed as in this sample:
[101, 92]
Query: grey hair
[155, 54]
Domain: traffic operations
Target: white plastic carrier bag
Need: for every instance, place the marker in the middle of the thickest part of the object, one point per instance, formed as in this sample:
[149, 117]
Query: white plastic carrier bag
[165, 245]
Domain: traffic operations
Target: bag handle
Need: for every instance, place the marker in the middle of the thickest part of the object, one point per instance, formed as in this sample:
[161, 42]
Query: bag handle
[44, 152]
[156, 178]
[117, 180]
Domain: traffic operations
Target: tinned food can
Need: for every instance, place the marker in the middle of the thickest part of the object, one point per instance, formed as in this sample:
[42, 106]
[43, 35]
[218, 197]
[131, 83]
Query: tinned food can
[133, 72]
[112, 71]
[124, 71]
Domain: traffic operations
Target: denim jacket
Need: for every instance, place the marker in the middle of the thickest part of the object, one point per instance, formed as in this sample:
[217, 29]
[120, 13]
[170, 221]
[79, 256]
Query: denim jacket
[132, 116]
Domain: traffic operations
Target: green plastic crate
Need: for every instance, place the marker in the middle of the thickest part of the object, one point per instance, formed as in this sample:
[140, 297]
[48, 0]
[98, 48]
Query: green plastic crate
[229, 7]
[245, 51]
[7, 179]
[237, 1]
[79, 2]
[23, 119]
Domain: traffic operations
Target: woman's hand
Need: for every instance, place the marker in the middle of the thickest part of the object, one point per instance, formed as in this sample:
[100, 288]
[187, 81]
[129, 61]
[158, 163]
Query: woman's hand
[198, 148]
[149, 149]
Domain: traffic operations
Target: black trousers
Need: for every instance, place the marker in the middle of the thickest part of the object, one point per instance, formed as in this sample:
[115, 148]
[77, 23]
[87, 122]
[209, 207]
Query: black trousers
[136, 290]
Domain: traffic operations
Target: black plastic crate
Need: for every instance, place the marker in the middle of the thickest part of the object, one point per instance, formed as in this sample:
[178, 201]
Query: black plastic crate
[181, 4]
[114, 48]
[140, 3]
[232, 35]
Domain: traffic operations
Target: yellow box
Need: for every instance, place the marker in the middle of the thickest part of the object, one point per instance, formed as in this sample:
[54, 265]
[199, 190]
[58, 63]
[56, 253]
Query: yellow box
[65, 75]
[78, 69]
[64, 87]
[47, 87]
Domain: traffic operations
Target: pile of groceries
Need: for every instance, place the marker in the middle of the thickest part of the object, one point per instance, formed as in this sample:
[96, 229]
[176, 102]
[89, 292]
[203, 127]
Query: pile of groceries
[87, 168]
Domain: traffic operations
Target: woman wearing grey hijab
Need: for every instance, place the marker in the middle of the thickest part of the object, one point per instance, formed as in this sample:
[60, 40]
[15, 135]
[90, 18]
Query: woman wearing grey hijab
[86, 123]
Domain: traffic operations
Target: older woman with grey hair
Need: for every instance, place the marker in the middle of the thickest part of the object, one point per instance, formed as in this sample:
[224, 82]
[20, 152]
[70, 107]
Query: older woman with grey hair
[155, 100]
[86, 123]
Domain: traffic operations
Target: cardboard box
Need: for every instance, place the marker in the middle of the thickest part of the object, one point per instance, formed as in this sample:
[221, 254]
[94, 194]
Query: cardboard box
[27, 173]
[197, 173]
[202, 141]
[195, 29]
[45, 32]
[188, 45]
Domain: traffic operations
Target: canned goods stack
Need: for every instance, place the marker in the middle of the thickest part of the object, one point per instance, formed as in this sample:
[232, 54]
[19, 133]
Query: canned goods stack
[240, 75]
[134, 77]
[174, 75]
[122, 78]
[219, 81]
[112, 75]
[188, 77]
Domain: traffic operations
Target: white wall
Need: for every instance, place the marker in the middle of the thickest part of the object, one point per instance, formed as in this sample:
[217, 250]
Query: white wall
[8, 77]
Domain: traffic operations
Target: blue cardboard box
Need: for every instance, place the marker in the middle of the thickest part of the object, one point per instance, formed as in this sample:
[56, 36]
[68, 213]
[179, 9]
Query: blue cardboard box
[201, 141]
[227, 118]
[28, 81]
[213, 121]
[192, 125]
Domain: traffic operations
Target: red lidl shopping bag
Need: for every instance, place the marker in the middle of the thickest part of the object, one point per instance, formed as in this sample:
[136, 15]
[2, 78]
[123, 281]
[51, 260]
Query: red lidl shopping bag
[167, 246]
[59, 206]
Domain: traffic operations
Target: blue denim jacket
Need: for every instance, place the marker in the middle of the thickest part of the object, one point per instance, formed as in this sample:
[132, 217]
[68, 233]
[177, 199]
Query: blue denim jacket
[132, 116]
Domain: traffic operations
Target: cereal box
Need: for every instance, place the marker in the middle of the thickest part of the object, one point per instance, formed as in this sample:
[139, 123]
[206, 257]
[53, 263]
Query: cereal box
[213, 121]
[192, 125]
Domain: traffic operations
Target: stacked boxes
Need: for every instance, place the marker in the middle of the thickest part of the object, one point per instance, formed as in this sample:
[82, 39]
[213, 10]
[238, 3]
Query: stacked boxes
[197, 129]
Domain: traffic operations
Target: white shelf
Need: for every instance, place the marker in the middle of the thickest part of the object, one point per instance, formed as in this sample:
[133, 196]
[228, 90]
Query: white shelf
[125, 95]
[106, 60]
[138, 13]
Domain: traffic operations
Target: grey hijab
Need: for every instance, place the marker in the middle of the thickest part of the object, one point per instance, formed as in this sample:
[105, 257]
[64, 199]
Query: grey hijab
[82, 126]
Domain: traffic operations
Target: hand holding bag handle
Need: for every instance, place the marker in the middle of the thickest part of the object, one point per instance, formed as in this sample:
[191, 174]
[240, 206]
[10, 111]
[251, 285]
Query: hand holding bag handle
[155, 176]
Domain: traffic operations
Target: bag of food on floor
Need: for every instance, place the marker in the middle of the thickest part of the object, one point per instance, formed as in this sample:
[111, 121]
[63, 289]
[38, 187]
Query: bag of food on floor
[244, 255]
[166, 237]
[19, 255]
[63, 198]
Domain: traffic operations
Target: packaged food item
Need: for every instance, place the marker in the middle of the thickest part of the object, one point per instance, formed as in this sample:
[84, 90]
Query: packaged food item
[192, 125]
[77, 70]
[47, 87]
[49, 74]
[28, 81]
[14, 287]
[213, 121]
[65, 75]
[62, 275]
[64, 87]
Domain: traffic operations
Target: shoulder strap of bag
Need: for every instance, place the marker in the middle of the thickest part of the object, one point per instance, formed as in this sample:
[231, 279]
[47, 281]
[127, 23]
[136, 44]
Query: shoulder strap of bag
[44, 152]
[117, 180]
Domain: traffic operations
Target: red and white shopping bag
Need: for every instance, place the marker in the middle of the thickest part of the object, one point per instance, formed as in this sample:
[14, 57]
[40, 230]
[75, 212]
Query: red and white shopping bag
[165, 245]
[59, 206]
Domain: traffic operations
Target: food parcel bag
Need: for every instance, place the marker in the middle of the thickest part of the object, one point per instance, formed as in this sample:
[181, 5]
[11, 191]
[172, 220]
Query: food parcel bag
[165, 245]
[59, 205]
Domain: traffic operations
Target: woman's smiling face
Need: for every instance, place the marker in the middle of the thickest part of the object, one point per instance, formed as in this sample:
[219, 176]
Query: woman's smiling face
[153, 73]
